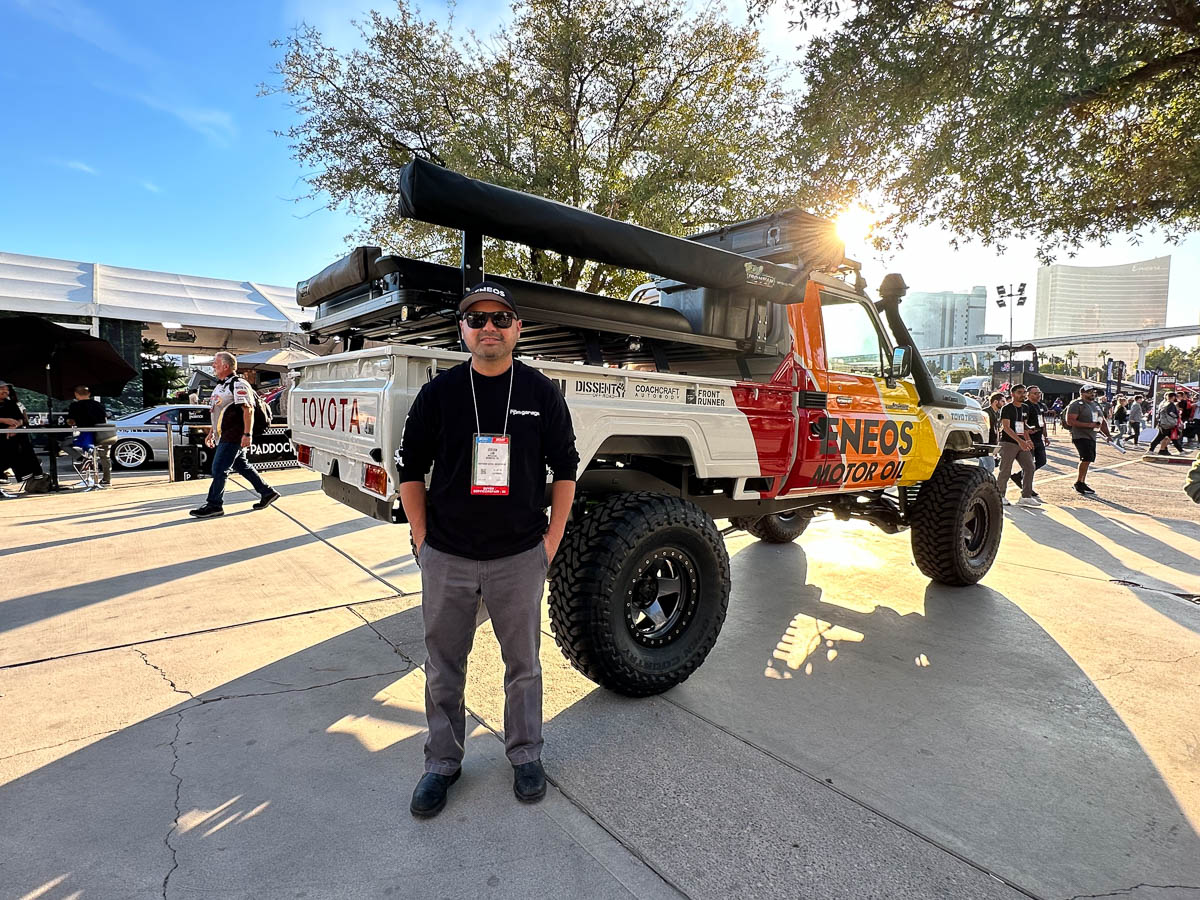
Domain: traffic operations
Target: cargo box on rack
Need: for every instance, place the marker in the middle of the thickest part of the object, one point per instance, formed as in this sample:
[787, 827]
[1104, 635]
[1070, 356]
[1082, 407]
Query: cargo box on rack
[789, 237]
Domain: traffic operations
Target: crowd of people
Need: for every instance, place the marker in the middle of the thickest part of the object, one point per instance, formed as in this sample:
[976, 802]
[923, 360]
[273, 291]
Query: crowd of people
[1018, 423]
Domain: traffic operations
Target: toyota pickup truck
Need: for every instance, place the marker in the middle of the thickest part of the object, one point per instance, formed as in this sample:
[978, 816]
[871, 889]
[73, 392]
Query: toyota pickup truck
[753, 380]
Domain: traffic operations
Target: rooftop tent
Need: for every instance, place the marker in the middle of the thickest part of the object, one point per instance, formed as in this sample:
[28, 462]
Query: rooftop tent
[430, 193]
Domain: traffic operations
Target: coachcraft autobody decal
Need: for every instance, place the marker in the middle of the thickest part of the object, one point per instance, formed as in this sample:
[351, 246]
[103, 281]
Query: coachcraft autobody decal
[617, 388]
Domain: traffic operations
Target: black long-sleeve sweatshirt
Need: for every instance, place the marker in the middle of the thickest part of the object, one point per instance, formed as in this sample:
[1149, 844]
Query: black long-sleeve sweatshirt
[440, 430]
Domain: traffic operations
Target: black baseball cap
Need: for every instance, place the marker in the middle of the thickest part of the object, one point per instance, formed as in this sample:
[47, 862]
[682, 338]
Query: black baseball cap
[489, 290]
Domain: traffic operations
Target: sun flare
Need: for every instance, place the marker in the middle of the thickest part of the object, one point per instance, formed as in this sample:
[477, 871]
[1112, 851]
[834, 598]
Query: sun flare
[854, 224]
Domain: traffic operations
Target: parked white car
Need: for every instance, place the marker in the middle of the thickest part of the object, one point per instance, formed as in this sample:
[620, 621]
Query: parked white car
[142, 436]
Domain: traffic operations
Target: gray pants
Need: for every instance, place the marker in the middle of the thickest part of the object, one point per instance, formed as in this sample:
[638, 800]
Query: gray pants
[1024, 458]
[453, 588]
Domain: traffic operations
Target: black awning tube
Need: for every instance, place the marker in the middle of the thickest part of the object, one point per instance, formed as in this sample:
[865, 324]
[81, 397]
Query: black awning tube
[430, 193]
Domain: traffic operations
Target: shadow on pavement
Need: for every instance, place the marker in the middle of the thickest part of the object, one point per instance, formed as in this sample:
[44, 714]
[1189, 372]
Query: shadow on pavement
[28, 608]
[952, 711]
[1138, 541]
[949, 710]
[291, 781]
[1044, 530]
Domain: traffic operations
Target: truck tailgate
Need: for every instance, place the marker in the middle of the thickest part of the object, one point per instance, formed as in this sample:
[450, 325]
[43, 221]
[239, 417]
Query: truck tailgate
[340, 410]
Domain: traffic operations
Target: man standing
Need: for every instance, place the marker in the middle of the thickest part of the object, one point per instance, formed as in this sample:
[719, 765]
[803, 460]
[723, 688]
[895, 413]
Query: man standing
[1015, 444]
[1167, 420]
[232, 405]
[1083, 418]
[489, 427]
[87, 412]
[995, 404]
[1136, 417]
[1035, 421]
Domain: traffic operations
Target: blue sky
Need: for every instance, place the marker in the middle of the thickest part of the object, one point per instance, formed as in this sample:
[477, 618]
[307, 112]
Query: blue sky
[133, 135]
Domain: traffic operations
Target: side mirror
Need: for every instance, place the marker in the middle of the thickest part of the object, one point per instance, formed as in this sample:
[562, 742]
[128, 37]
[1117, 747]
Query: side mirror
[901, 362]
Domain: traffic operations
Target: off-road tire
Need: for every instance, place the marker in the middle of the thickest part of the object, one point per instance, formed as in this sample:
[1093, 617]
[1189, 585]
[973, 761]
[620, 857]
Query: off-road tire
[778, 528]
[957, 520]
[610, 558]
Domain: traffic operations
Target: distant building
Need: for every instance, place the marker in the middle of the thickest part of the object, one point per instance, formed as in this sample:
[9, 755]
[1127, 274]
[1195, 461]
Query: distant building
[945, 319]
[1083, 299]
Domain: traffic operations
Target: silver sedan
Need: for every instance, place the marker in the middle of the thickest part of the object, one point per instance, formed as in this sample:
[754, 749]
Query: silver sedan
[142, 436]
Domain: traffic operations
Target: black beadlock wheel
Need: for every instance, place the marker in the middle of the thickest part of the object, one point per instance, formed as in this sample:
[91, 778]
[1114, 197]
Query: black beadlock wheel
[638, 592]
[779, 528]
[957, 520]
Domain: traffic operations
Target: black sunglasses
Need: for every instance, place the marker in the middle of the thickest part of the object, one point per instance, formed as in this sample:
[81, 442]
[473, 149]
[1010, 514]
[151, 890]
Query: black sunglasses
[501, 319]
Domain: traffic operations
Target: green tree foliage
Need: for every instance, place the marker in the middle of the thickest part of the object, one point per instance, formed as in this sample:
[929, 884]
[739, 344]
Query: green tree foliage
[160, 373]
[1062, 121]
[1174, 360]
[645, 112]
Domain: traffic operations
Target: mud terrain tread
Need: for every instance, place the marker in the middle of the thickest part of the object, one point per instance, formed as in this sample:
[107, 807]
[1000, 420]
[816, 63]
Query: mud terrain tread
[770, 529]
[582, 586]
[936, 523]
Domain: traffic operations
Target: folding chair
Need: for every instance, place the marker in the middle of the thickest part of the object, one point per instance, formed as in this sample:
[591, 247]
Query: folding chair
[87, 467]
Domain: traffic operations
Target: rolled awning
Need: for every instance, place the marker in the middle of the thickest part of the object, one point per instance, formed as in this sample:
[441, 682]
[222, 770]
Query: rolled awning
[430, 193]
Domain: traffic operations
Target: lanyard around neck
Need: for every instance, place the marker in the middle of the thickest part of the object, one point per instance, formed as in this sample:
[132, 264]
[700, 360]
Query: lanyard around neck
[507, 403]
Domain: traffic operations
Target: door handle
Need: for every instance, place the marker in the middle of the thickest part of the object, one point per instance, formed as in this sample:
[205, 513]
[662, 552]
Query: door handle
[843, 400]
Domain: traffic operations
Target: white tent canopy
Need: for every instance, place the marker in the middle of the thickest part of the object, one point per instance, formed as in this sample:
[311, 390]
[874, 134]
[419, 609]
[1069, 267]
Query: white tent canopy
[272, 360]
[44, 286]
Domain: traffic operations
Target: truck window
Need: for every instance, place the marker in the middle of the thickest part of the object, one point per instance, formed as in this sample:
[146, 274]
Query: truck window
[852, 343]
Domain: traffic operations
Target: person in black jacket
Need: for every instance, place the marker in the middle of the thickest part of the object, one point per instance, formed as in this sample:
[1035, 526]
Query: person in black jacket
[490, 427]
[16, 452]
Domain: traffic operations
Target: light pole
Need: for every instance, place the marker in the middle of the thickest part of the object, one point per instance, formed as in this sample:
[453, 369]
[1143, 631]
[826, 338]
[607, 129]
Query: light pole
[1003, 296]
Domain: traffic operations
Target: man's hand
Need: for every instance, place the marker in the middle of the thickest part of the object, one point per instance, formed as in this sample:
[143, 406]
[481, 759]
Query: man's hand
[210, 441]
[551, 543]
[246, 440]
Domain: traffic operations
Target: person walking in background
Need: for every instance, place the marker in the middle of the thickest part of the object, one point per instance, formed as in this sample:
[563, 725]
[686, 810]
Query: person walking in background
[1136, 418]
[232, 406]
[1035, 421]
[1015, 444]
[1189, 424]
[1167, 422]
[1056, 410]
[995, 404]
[1084, 420]
[1120, 417]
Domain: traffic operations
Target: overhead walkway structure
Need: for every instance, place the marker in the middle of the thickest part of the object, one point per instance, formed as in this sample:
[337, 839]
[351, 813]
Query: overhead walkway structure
[1145, 338]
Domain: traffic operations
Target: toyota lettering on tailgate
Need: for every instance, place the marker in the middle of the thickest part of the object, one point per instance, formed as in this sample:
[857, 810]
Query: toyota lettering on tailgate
[332, 413]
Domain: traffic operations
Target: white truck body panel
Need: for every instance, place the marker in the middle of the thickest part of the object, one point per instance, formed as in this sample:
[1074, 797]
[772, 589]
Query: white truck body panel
[346, 405]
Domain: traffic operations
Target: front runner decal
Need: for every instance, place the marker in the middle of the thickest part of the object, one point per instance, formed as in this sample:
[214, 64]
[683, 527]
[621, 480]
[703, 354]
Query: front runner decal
[700, 396]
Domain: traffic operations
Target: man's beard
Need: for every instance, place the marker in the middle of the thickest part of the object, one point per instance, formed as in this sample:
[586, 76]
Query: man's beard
[490, 350]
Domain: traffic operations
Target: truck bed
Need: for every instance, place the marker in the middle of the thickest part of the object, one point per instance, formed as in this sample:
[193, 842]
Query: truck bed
[347, 415]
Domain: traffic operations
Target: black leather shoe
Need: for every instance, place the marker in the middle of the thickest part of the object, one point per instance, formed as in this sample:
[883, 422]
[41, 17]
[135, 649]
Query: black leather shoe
[430, 795]
[266, 501]
[207, 512]
[529, 781]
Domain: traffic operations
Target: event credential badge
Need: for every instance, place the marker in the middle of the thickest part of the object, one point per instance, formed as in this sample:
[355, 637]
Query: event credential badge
[489, 465]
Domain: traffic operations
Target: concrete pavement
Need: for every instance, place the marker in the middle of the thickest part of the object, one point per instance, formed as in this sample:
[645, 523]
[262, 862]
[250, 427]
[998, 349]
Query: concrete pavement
[233, 708]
